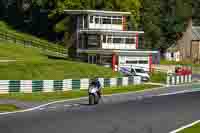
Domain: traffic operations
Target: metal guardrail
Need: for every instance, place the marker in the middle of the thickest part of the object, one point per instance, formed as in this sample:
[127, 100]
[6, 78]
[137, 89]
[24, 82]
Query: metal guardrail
[34, 43]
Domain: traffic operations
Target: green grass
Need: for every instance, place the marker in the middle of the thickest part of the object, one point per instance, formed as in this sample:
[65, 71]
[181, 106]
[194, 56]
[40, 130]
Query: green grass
[17, 52]
[52, 69]
[32, 64]
[41, 97]
[5, 28]
[8, 108]
[158, 77]
[193, 129]
[186, 62]
[195, 67]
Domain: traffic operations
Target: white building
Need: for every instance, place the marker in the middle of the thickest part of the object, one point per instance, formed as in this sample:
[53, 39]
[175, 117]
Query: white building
[102, 39]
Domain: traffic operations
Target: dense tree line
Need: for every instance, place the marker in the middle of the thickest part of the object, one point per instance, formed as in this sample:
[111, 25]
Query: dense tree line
[163, 21]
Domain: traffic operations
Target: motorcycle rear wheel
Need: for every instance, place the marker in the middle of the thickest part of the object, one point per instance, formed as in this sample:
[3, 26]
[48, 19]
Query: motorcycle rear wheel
[96, 99]
[91, 99]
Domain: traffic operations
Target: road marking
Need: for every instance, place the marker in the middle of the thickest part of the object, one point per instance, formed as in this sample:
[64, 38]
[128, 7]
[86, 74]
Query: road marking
[44, 105]
[174, 93]
[76, 104]
[41, 108]
[184, 127]
[67, 105]
[54, 107]
[139, 97]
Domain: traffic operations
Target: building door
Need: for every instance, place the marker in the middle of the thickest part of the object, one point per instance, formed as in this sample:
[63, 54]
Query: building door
[92, 59]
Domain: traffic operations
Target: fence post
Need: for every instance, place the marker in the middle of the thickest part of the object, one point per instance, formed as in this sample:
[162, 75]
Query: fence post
[177, 79]
[182, 79]
[173, 79]
[190, 78]
[185, 78]
[168, 79]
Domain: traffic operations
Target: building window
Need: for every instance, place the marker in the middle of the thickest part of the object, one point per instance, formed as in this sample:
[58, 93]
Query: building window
[106, 20]
[131, 62]
[172, 55]
[143, 62]
[109, 39]
[91, 19]
[117, 40]
[117, 21]
[104, 38]
[130, 41]
[97, 20]
[106, 59]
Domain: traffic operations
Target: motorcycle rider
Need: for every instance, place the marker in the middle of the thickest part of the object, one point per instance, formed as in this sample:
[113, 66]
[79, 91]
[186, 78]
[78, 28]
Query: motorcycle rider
[97, 84]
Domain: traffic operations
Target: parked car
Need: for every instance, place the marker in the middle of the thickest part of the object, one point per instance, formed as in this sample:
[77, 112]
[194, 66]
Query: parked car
[182, 71]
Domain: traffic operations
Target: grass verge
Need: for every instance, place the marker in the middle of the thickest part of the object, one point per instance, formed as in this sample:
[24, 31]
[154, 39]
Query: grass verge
[44, 97]
[193, 129]
[6, 28]
[8, 108]
[31, 64]
[158, 77]
[185, 62]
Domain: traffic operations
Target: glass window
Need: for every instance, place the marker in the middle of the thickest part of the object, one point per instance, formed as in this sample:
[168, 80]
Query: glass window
[106, 59]
[172, 55]
[97, 20]
[139, 70]
[130, 41]
[131, 62]
[117, 40]
[91, 19]
[117, 21]
[106, 21]
[104, 38]
[109, 40]
[143, 62]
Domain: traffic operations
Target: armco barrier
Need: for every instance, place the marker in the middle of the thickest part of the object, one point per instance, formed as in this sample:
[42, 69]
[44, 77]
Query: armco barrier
[29, 86]
[176, 79]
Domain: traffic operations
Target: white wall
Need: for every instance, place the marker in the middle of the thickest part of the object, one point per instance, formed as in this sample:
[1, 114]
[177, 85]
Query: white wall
[170, 58]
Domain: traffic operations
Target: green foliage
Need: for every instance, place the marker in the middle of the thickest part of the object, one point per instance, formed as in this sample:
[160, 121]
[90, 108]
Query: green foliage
[163, 21]
[7, 29]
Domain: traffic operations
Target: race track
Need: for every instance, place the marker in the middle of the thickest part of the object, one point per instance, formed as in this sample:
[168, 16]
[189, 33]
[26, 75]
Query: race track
[149, 115]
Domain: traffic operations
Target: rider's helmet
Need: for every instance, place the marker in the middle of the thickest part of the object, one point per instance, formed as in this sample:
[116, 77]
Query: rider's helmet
[96, 79]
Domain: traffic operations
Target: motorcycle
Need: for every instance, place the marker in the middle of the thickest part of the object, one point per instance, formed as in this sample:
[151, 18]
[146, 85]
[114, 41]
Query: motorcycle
[94, 96]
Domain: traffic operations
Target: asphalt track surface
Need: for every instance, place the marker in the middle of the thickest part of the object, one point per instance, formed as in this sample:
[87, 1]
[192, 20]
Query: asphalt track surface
[149, 115]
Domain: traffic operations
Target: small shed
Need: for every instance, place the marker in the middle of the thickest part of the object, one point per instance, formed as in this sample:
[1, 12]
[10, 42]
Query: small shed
[173, 53]
[187, 47]
[195, 44]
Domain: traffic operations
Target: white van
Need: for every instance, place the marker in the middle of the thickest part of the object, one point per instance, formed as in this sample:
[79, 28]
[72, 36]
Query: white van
[140, 72]
[136, 72]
